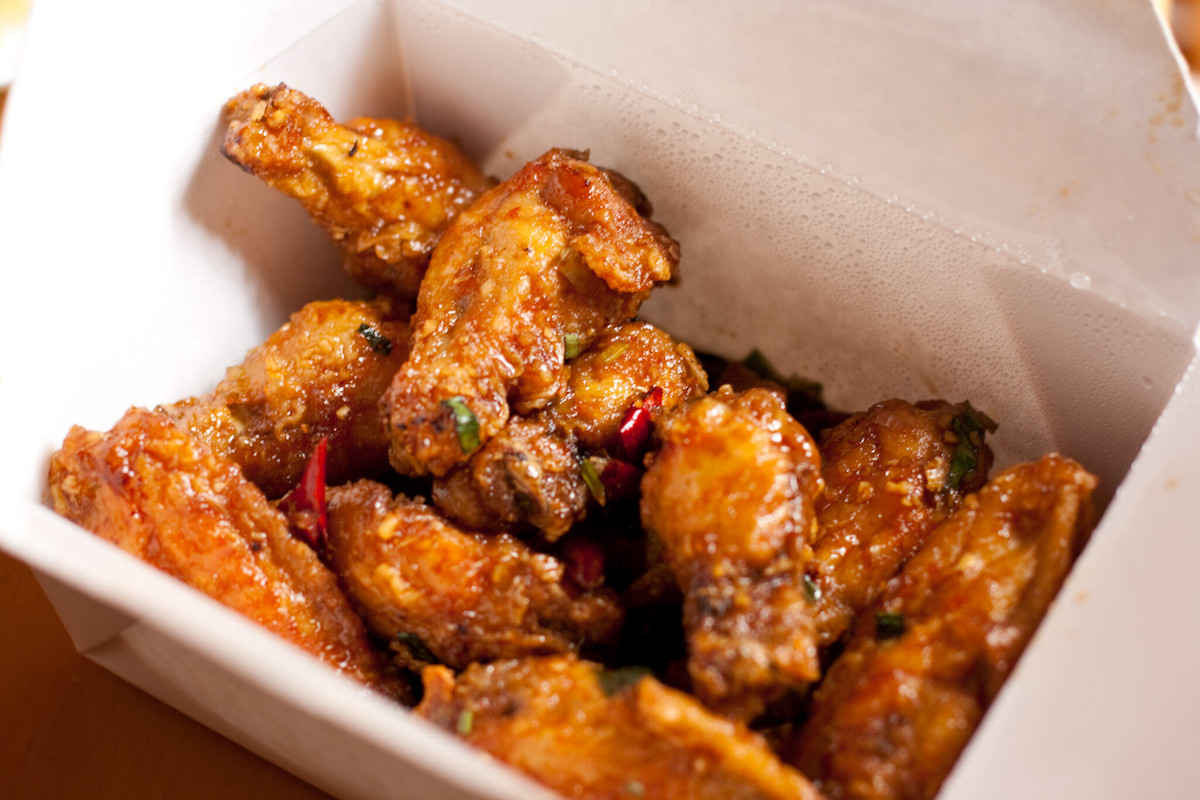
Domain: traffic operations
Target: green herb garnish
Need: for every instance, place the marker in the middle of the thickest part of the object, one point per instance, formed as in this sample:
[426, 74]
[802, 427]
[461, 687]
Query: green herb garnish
[617, 680]
[612, 352]
[591, 477]
[466, 722]
[812, 592]
[465, 423]
[971, 426]
[889, 625]
[570, 345]
[379, 343]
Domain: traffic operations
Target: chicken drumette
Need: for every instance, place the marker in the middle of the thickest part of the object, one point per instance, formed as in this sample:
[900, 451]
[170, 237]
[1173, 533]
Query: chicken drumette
[730, 495]
[444, 594]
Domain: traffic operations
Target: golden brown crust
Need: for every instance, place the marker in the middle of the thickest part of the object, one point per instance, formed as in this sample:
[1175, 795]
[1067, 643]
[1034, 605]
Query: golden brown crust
[529, 474]
[888, 482]
[163, 496]
[451, 595]
[553, 252]
[578, 730]
[730, 495]
[319, 376]
[384, 190]
[899, 704]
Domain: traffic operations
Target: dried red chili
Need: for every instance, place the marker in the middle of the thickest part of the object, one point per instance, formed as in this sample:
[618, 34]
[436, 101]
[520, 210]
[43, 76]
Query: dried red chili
[633, 435]
[304, 505]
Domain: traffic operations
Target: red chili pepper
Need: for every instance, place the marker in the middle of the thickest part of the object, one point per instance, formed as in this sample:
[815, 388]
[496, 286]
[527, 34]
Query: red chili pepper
[584, 562]
[305, 504]
[636, 426]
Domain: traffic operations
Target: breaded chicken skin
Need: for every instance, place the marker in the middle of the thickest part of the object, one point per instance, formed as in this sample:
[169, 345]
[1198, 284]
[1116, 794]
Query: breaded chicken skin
[555, 254]
[730, 495]
[162, 495]
[320, 376]
[898, 706]
[384, 190]
[590, 733]
[530, 473]
[891, 474]
[447, 595]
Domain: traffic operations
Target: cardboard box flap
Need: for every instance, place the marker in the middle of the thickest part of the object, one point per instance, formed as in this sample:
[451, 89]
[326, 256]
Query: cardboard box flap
[1063, 134]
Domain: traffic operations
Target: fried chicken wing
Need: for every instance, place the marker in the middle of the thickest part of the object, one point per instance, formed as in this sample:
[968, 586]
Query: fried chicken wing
[384, 190]
[590, 733]
[319, 376]
[529, 474]
[559, 252]
[730, 495]
[162, 495]
[444, 594]
[899, 704]
[891, 474]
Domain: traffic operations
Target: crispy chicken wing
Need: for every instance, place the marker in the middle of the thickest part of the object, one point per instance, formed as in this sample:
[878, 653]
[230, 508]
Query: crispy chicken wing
[730, 495]
[319, 376]
[590, 733]
[891, 474]
[529, 474]
[162, 495]
[899, 704]
[384, 190]
[448, 595]
[557, 253]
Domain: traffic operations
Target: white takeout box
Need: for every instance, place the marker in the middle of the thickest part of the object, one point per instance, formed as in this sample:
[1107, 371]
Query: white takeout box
[997, 201]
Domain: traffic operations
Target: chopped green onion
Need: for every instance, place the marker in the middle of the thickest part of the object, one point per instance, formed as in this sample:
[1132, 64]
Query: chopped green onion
[616, 680]
[466, 722]
[465, 423]
[379, 343]
[612, 352]
[889, 625]
[591, 477]
[970, 427]
[812, 592]
[570, 345]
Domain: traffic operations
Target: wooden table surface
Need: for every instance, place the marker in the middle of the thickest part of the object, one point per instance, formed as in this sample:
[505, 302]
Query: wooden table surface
[70, 729]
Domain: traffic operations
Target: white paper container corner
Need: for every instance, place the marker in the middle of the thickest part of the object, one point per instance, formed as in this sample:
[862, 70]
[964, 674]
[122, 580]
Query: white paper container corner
[996, 201]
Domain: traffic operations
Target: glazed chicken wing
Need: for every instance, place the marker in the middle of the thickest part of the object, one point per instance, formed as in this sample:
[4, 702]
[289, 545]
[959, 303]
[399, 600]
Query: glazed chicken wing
[530, 473]
[730, 495]
[891, 474]
[319, 376]
[444, 594]
[899, 704]
[557, 253]
[162, 495]
[384, 190]
[590, 733]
